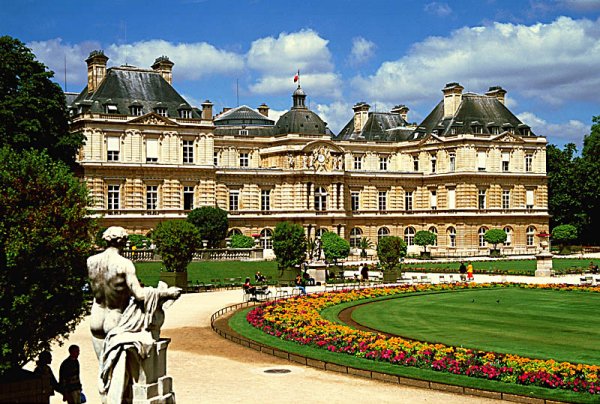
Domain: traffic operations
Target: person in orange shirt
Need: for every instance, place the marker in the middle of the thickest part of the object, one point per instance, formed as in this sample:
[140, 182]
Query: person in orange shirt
[470, 272]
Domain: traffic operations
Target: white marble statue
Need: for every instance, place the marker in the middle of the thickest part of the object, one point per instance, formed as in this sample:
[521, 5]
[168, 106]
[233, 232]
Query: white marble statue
[125, 317]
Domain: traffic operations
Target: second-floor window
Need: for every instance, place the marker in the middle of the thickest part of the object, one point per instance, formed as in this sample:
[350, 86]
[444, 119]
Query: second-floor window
[529, 199]
[151, 150]
[216, 158]
[234, 199]
[152, 197]
[188, 198]
[112, 148]
[415, 163]
[358, 162]
[505, 161]
[528, 163]
[188, 151]
[433, 200]
[320, 199]
[244, 160]
[114, 197]
[433, 164]
[265, 199]
[481, 199]
[383, 163]
[452, 162]
[505, 199]
[355, 201]
[408, 200]
[382, 201]
[481, 160]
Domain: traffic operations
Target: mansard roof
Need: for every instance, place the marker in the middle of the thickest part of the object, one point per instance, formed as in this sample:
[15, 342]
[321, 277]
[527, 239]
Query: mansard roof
[128, 86]
[380, 126]
[243, 115]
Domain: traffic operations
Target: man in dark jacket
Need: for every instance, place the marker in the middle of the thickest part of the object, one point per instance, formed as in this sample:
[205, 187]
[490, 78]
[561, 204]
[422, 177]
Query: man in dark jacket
[69, 377]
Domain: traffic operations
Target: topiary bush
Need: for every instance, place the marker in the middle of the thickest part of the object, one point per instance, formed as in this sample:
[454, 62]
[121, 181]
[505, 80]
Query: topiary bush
[241, 241]
[176, 241]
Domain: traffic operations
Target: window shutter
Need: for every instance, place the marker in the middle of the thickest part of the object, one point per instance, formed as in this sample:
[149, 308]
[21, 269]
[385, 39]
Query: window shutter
[505, 156]
[529, 197]
[481, 159]
[112, 143]
[433, 199]
[152, 148]
[451, 199]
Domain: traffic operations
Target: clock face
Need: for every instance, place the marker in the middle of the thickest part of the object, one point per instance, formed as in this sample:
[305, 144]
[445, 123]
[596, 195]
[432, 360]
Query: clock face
[321, 158]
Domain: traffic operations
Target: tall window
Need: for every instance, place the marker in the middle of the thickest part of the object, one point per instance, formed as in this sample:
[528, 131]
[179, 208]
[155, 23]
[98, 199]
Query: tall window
[528, 163]
[320, 231]
[508, 232]
[481, 234]
[244, 160]
[358, 162]
[408, 200]
[136, 110]
[265, 199]
[114, 193]
[355, 237]
[266, 241]
[409, 236]
[112, 148]
[151, 197]
[505, 161]
[433, 230]
[188, 198]
[382, 201]
[355, 201]
[505, 199]
[452, 198]
[433, 163]
[529, 200]
[216, 158]
[481, 199]
[151, 150]
[433, 199]
[320, 199]
[481, 160]
[452, 162]
[162, 111]
[415, 163]
[383, 163]
[382, 232]
[185, 113]
[188, 151]
[451, 236]
[233, 232]
[530, 233]
[234, 200]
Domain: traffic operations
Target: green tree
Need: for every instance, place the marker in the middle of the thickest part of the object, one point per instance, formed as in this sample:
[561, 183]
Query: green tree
[139, 241]
[425, 238]
[45, 239]
[390, 250]
[33, 111]
[289, 244]
[590, 173]
[241, 241]
[176, 241]
[334, 247]
[495, 237]
[212, 224]
[365, 243]
[564, 235]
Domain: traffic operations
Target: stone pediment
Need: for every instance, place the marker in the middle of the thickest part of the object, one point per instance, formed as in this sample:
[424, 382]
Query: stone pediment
[153, 118]
[322, 156]
[507, 137]
[430, 139]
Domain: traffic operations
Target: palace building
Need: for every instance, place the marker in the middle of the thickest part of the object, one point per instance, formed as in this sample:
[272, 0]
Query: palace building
[471, 165]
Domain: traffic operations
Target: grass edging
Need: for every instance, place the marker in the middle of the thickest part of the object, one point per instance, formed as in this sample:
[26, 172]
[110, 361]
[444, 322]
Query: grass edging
[409, 376]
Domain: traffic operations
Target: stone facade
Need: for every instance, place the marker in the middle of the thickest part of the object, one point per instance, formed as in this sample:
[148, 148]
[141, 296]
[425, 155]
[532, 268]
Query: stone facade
[457, 183]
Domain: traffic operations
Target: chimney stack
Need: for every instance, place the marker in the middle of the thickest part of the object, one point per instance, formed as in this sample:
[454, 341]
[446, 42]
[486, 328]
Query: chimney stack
[207, 107]
[263, 109]
[96, 64]
[452, 98]
[361, 114]
[164, 66]
[497, 92]
[402, 110]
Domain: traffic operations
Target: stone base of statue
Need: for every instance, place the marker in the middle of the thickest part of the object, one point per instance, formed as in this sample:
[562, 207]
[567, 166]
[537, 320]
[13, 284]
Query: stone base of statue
[151, 385]
[544, 264]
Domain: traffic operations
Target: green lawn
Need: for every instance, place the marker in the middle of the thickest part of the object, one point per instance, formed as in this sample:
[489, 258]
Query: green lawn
[533, 323]
[560, 265]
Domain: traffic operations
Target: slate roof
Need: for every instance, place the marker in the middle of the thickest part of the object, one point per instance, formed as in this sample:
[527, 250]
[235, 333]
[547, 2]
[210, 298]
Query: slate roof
[243, 115]
[300, 119]
[381, 127]
[126, 86]
[474, 110]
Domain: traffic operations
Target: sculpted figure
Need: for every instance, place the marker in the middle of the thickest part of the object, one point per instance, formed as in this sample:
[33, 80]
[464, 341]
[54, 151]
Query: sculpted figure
[125, 316]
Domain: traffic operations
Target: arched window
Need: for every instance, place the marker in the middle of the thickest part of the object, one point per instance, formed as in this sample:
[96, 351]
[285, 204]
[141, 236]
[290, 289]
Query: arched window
[433, 230]
[231, 232]
[530, 233]
[266, 241]
[509, 233]
[481, 234]
[382, 232]
[355, 236]
[451, 236]
[320, 199]
[409, 236]
[320, 231]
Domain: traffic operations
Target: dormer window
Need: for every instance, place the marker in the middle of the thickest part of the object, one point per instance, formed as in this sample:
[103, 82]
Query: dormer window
[136, 110]
[185, 113]
[162, 111]
[508, 128]
[495, 130]
[477, 129]
[110, 108]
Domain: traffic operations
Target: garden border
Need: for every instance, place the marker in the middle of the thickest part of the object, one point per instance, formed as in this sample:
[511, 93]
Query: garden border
[368, 374]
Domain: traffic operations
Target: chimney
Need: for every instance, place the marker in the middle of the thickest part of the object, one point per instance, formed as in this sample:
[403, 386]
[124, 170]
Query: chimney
[96, 64]
[452, 98]
[164, 66]
[207, 110]
[402, 110]
[497, 92]
[361, 114]
[263, 109]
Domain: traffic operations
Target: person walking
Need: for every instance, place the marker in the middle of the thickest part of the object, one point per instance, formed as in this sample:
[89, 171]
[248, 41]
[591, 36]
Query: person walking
[470, 272]
[43, 369]
[69, 382]
[463, 271]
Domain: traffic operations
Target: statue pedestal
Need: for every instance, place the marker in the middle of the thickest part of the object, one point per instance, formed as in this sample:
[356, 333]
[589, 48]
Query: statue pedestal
[544, 264]
[151, 385]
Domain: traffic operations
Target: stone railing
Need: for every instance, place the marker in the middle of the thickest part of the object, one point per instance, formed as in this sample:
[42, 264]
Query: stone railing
[215, 254]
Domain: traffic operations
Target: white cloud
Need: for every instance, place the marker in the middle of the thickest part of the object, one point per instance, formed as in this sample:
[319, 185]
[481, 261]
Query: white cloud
[439, 9]
[337, 114]
[362, 50]
[320, 84]
[572, 131]
[554, 62]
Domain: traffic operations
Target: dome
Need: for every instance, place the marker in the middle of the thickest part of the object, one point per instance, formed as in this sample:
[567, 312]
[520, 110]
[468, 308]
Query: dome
[300, 121]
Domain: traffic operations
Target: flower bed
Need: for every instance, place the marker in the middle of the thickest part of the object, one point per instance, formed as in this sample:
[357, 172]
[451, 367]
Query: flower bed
[298, 319]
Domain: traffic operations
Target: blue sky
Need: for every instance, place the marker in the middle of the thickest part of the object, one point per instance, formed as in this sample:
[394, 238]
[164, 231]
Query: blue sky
[546, 54]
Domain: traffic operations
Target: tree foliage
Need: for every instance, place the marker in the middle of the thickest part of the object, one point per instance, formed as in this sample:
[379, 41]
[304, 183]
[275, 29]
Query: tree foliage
[495, 237]
[334, 247]
[176, 241]
[564, 234]
[390, 249]
[45, 239]
[289, 244]
[33, 110]
[590, 197]
[425, 238]
[241, 241]
[212, 224]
